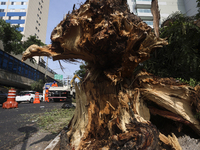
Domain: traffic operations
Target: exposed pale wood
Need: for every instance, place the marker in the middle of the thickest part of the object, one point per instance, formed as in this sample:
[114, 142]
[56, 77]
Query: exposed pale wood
[171, 141]
[175, 98]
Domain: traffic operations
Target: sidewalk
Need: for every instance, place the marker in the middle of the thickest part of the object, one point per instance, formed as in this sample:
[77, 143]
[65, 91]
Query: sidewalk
[38, 141]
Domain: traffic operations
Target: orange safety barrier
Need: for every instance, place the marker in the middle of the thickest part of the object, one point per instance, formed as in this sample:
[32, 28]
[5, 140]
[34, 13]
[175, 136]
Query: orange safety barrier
[10, 103]
[37, 99]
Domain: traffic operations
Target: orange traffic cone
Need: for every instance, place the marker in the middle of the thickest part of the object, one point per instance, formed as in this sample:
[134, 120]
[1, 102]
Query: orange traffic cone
[10, 103]
[36, 100]
[46, 95]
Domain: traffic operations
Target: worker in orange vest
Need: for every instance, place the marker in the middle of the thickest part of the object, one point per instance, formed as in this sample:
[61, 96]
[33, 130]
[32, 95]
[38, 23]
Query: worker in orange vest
[46, 95]
[54, 84]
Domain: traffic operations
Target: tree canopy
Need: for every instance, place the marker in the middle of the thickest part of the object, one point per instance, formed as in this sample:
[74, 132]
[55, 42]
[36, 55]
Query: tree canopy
[37, 85]
[32, 40]
[181, 57]
[12, 38]
[82, 71]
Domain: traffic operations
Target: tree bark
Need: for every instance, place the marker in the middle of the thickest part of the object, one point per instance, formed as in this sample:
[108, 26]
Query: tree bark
[114, 103]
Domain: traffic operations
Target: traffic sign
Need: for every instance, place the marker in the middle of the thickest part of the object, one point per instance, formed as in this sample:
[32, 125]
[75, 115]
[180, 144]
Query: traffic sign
[58, 76]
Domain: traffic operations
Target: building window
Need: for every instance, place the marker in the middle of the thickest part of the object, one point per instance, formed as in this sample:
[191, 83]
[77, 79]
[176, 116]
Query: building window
[39, 24]
[9, 18]
[39, 3]
[22, 10]
[39, 9]
[40, 18]
[40, 12]
[1, 10]
[3, 3]
[20, 17]
[1, 17]
[22, 3]
[41, 6]
[42, 1]
[144, 10]
[12, 3]
[36, 28]
[10, 63]
[5, 61]
[12, 10]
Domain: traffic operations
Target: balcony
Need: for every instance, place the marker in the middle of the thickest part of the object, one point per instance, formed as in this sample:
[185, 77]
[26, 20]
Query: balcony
[145, 14]
[145, 4]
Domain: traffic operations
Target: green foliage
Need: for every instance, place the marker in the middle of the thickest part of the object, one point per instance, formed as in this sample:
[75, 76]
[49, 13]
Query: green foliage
[192, 82]
[32, 40]
[11, 37]
[37, 86]
[82, 72]
[181, 57]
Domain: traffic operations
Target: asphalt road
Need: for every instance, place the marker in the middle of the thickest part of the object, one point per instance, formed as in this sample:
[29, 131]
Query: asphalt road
[16, 125]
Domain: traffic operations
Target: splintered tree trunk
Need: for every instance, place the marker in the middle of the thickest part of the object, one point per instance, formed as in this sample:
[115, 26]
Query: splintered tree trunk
[114, 103]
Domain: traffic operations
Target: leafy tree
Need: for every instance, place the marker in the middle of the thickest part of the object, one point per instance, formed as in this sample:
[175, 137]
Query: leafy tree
[11, 37]
[82, 72]
[181, 57]
[32, 40]
[37, 85]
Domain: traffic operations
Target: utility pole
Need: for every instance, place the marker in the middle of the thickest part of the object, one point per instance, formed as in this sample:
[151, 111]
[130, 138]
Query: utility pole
[45, 74]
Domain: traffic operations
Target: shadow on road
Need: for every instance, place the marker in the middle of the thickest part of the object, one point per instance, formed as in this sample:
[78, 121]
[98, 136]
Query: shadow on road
[28, 130]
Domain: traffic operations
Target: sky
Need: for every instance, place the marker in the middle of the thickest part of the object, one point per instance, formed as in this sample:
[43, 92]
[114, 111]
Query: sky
[57, 10]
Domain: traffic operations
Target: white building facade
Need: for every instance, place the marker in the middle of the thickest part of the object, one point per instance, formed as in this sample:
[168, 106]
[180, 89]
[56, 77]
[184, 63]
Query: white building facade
[30, 15]
[142, 8]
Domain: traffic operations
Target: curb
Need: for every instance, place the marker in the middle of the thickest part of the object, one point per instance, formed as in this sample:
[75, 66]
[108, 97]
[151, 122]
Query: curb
[53, 143]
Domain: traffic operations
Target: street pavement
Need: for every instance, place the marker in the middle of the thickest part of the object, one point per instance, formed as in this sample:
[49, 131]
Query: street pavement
[16, 125]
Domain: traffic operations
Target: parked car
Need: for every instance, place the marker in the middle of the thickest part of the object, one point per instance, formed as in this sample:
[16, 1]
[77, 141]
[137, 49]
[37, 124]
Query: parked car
[3, 97]
[25, 96]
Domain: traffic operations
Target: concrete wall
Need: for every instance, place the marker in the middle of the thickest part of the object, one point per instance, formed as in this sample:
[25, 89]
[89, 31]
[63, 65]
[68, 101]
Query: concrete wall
[168, 7]
[37, 18]
[191, 7]
[14, 80]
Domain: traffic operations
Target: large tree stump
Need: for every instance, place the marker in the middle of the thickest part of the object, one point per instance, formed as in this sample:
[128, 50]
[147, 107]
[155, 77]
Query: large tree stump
[114, 104]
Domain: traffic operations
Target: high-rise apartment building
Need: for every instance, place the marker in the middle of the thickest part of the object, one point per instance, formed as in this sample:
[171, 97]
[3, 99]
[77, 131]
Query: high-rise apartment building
[190, 7]
[166, 7]
[30, 15]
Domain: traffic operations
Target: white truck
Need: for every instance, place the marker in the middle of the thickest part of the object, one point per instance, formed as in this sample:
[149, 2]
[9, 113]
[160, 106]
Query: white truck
[60, 93]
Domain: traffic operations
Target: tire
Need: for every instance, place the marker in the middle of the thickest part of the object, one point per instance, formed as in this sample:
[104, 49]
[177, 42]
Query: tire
[31, 100]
